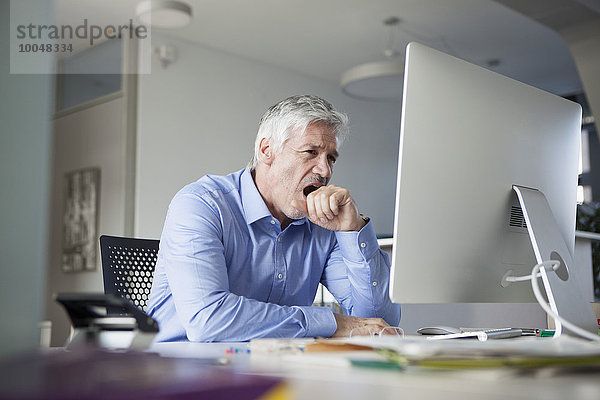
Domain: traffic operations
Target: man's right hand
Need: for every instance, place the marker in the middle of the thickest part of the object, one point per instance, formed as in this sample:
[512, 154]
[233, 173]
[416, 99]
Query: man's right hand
[359, 326]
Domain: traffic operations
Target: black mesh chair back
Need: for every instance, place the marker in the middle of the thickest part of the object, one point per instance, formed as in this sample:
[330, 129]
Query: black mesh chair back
[128, 266]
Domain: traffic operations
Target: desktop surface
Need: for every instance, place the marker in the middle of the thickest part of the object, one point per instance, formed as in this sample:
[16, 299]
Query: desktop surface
[326, 375]
[85, 373]
[175, 370]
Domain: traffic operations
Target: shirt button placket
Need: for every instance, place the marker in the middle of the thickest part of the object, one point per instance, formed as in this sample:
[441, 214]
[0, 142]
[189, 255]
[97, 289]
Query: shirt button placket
[281, 263]
[279, 266]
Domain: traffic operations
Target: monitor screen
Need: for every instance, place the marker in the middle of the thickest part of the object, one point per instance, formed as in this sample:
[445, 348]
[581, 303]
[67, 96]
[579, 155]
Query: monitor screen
[467, 136]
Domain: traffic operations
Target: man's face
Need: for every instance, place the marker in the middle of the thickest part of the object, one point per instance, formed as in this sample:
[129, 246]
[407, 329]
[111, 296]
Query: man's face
[304, 164]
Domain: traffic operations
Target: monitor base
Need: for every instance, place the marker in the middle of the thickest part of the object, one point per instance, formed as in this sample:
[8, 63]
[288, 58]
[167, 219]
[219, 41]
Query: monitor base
[561, 286]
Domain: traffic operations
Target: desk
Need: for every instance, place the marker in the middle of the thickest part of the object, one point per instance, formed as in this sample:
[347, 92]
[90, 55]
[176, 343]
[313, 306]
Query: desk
[313, 382]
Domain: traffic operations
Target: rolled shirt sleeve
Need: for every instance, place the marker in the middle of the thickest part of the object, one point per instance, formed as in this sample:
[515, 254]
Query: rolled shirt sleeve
[358, 274]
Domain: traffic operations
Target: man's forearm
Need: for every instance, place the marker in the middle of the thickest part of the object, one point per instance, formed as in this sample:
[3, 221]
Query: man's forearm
[232, 318]
[367, 269]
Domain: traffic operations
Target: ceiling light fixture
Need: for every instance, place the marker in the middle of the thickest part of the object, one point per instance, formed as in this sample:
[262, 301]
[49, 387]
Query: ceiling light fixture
[164, 13]
[381, 80]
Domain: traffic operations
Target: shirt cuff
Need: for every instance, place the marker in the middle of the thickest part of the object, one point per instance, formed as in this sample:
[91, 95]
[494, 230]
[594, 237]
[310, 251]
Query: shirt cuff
[320, 321]
[358, 246]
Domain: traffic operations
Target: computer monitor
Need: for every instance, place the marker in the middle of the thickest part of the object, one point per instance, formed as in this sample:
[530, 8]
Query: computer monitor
[467, 136]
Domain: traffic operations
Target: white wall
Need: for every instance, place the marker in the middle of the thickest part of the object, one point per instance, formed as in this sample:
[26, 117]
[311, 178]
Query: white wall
[584, 43]
[200, 115]
[92, 137]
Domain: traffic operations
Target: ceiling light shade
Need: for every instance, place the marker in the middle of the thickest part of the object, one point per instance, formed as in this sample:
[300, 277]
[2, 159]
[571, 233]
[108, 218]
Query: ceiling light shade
[374, 81]
[164, 13]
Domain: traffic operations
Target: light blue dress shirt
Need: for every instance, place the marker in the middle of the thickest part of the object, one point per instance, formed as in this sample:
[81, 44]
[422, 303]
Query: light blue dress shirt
[226, 271]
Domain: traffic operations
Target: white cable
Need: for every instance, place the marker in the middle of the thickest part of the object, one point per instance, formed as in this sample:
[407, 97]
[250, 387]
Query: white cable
[545, 264]
[538, 295]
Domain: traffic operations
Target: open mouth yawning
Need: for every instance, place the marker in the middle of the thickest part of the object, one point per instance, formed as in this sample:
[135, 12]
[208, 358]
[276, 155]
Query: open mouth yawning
[309, 189]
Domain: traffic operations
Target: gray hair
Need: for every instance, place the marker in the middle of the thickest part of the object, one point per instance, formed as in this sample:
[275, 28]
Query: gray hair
[292, 116]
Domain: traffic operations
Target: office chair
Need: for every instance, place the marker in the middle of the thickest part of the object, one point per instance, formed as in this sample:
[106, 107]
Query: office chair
[128, 266]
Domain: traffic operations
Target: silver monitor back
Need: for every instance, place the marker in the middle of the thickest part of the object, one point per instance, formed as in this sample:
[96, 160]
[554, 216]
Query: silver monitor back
[467, 136]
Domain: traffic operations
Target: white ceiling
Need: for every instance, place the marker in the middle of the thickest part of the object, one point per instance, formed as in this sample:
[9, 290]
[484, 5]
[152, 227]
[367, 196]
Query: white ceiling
[323, 38]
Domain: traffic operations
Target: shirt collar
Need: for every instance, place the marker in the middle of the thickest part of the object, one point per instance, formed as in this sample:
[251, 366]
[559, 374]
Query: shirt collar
[253, 203]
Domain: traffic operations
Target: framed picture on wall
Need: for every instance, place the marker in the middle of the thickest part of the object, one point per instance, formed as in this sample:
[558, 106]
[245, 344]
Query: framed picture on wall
[80, 220]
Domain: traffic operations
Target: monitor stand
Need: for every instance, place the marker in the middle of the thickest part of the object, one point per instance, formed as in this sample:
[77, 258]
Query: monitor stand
[564, 294]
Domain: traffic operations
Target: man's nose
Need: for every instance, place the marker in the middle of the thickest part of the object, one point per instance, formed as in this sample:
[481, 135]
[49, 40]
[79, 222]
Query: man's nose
[323, 168]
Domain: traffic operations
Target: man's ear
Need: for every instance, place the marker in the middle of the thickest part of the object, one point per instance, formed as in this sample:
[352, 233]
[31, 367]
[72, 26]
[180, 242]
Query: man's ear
[265, 151]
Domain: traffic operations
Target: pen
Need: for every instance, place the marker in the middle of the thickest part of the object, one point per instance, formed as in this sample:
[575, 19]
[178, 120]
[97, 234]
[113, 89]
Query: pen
[483, 335]
[529, 331]
[523, 331]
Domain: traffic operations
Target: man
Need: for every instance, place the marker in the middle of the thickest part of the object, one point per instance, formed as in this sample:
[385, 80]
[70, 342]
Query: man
[241, 256]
